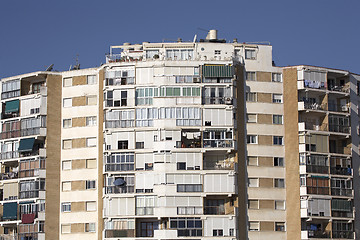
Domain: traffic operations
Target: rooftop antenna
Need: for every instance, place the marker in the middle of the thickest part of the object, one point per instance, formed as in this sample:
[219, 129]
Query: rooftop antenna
[195, 38]
[77, 64]
[49, 68]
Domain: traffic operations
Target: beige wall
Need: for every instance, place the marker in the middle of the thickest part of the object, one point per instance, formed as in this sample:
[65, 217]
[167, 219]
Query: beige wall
[53, 157]
[293, 228]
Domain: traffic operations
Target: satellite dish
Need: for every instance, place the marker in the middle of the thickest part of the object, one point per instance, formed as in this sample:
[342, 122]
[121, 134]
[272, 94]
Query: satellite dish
[119, 182]
[49, 68]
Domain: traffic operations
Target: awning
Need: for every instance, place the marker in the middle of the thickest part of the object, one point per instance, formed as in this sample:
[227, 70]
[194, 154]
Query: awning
[26, 145]
[217, 71]
[12, 106]
[10, 211]
[28, 218]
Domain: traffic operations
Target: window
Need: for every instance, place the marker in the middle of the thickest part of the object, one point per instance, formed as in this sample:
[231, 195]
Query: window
[145, 205]
[67, 144]
[91, 100]
[250, 76]
[66, 186]
[90, 163]
[217, 52]
[90, 184]
[181, 165]
[10, 89]
[189, 188]
[90, 206]
[91, 121]
[177, 54]
[250, 54]
[67, 82]
[66, 165]
[279, 183]
[67, 123]
[252, 161]
[280, 226]
[123, 144]
[279, 204]
[187, 227]
[231, 232]
[67, 102]
[277, 98]
[91, 142]
[251, 97]
[91, 79]
[123, 100]
[251, 118]
[278, 140]
[120, 162]
[253, 204]
[65, 228]
[253, 182]
[253, 226]
[218, 232]
[277, 119]
[66, 207]
[89, 227]
[251, 139]
[139, 145]
[152, 53]
[277, 77]
[278, 162]
[36, 87]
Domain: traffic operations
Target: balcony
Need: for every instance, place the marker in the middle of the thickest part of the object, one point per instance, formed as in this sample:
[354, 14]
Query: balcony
[10, 134]
[317, 169]
[343, 234]
[118, 233]
[338, 108]
[342, 214]
[214, 210]
[118, 58]
[9, 155]
[218, 143]
[318, 234]
[8, 237]
[339, 128]
[117, 189]
[341, 171]
[341, 192]
[318, 190]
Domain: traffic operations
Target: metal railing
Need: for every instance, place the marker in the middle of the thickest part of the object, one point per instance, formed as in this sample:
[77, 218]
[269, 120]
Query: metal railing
[318, 234]
[317, 169]
[9, 155]
[214, 210]
[218, 143]
[340, 171]
[339, 128]
[341, 192]
[343, 234]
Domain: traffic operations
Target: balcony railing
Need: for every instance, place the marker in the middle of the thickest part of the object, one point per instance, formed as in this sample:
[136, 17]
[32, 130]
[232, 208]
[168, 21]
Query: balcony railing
[214, 210]
[9, 175]
[311, 126]
[315, 106]
[115, 189]
[336, 88]
[339, 128]
[338, 107]
[343, 234]
[317, 169]
[10, 134]
[8, 237]
[341, 214]
[341, 192]
[189, 210]
[318, 234]
[318, 190]
[30, 131]
[144, 210]
[218, 143]
[9, 155]
[340, 171]
[112, 233]
[119, 167]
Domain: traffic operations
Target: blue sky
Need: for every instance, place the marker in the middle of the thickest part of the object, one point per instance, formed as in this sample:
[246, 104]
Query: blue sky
[35, 34]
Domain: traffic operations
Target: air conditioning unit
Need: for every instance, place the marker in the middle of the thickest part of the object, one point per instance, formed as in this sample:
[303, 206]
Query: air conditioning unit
[196, 80]
[344, 108]
[228, 100]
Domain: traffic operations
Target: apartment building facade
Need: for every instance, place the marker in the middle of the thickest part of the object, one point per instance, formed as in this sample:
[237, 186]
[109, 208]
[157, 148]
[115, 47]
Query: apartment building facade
[192, 140]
